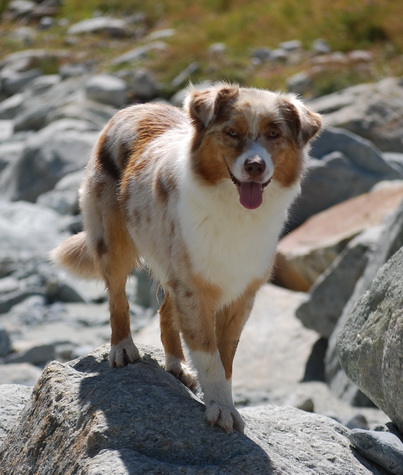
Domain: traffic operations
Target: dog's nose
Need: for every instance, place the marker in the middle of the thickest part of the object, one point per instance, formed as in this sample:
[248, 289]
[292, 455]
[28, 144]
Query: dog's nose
[254, 166]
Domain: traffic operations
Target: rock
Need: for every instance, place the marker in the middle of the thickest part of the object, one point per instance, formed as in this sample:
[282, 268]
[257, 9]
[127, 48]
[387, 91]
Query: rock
[112, 27]
[332, 290]
[22, 228]
[321, 46]
[42, 59]
[13, 398]
[5, 343]
[369, 345]
[373, 111]
[384, 448]
[142, 85]
[6, 129]
[87, 417]
[300, 401]
[10, 152]
[185, 75]
[64, 197]
[14, 82]
[138, 54]
[358, 421]
[48, 155]
[344, 166]
[107, 89]
[390, 242]
[37, 355]
[10, 107]
[19, 373]
[304, 254]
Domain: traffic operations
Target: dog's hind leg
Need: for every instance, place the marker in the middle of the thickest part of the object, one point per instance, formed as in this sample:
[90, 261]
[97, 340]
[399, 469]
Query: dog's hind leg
[174, 357]
[117, 258]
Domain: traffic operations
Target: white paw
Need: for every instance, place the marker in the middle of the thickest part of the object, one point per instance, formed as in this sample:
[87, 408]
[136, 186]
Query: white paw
[181, 371]
[123, 353]
[225, 416]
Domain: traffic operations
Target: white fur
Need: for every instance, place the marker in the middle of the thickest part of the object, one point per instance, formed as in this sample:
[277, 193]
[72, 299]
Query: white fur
[224, 239]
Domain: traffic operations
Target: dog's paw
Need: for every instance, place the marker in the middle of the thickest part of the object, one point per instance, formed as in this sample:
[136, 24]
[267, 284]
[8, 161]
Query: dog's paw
[123, 353]
[181, 372]
[224, 416]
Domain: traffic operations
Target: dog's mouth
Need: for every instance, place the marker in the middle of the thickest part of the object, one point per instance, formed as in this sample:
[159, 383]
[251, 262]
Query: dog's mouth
[250, 192]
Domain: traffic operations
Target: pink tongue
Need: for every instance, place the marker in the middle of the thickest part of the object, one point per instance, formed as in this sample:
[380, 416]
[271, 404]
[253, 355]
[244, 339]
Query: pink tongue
[250, 194]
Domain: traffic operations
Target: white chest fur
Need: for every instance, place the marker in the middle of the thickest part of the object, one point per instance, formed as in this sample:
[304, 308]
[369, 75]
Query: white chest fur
[228, 245]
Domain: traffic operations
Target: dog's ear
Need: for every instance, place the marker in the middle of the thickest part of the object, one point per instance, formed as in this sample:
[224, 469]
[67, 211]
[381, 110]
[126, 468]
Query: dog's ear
[303, 123]
[207, 105]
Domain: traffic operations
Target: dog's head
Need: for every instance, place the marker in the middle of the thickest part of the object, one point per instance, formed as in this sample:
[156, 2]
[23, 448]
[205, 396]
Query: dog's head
[249, 136]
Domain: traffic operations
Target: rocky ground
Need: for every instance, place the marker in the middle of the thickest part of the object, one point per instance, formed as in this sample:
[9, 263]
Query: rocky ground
[338, 298]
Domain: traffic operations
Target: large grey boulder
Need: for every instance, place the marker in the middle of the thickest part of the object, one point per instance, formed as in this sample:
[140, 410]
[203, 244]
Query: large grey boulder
[373, 111]
[370, 344]
[85, 417]
[344, 165]
[60, 148]
[334, 287]
[390, 241]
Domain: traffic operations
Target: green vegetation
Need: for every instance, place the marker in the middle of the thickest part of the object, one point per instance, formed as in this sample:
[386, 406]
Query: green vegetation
[242, 25]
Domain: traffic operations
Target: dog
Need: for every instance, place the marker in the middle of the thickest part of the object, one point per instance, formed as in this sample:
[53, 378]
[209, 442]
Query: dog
[199, 193]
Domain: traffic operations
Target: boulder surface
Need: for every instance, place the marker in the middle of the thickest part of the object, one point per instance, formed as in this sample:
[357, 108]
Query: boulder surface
[370, 344]
[85, 417]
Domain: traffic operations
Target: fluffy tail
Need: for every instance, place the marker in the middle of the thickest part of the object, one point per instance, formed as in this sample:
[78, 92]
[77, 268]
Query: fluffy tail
[75, 255]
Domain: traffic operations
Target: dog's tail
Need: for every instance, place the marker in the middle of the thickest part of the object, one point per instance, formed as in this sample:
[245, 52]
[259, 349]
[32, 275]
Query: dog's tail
[75, 255]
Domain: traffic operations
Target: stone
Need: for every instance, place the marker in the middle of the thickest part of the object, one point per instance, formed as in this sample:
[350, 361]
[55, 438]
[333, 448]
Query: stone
[107, 89]
[112, 27]
[332, 290]
[48, 155]
[369, 345]
[321, 46]
[10, 152]
[140, 53]
[304, 254]
[5, 343]
[372, 111]
[142, 85]
[22, 227]
[19, 373]
[185, 75]
[384, 448]
[13, 82]
[344, 166]
[390, 241]
[87, 417]
[13, 398]
[37, 355]
[64, 197]
[6, 129]
[10, 107]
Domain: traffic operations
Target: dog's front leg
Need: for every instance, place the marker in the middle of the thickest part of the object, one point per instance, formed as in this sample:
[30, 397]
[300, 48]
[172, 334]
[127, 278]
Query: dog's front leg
[196, 317]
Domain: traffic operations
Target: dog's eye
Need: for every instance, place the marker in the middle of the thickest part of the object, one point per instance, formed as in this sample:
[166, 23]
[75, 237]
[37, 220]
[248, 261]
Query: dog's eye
[232, 133]
[273, 134]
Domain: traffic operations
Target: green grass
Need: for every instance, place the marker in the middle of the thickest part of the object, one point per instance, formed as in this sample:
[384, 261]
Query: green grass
[242, 25]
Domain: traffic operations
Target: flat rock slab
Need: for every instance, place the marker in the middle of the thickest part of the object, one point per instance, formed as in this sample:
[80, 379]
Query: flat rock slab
[305, 253]
[85, 417]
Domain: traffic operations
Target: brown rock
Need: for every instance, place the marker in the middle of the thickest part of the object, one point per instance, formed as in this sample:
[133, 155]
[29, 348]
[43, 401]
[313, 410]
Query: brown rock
[305, 253]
